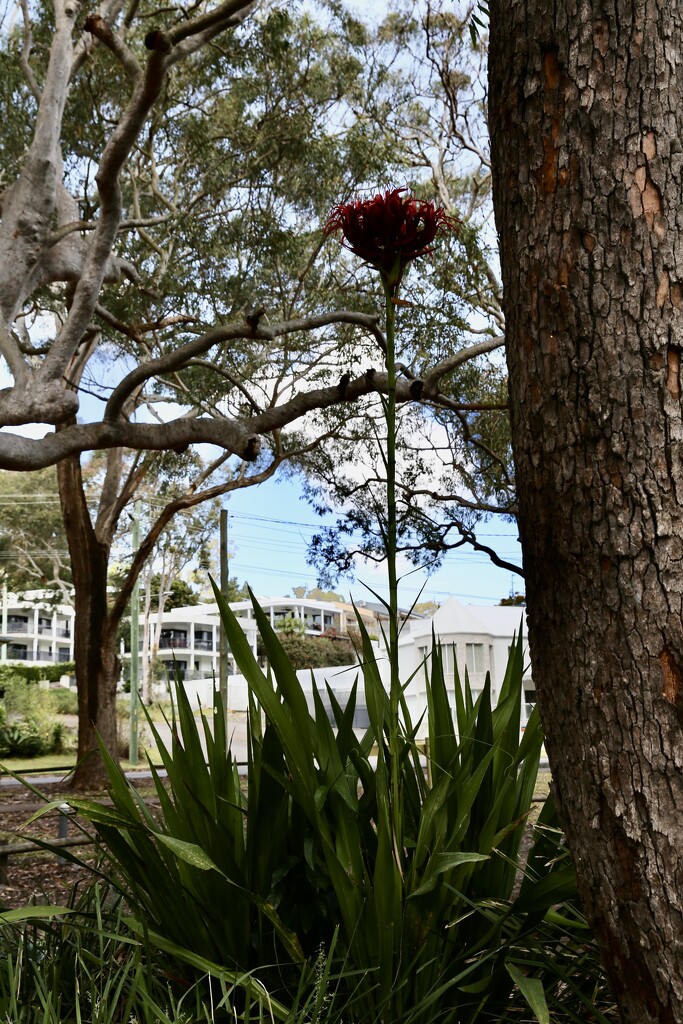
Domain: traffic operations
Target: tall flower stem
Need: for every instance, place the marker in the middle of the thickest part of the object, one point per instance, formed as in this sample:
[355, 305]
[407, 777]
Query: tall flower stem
[392, 529]
[389, 231]
[391, 543]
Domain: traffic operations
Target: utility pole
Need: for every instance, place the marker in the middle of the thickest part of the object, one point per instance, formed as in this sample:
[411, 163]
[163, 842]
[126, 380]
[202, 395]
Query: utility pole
[223, 653]
[134, 646]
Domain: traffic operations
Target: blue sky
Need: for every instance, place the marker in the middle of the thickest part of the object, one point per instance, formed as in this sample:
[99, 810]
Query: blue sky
[269, 527]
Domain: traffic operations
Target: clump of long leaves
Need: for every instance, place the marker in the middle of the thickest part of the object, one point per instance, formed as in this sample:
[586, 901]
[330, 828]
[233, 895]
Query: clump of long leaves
[407, 880]
[83, 963]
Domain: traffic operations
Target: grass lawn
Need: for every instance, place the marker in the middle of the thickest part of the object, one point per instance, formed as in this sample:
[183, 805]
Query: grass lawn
[543, 783]
[59, 763]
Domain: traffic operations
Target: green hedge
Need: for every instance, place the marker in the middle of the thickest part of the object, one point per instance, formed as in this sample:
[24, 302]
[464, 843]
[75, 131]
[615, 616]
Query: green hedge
[34, 673]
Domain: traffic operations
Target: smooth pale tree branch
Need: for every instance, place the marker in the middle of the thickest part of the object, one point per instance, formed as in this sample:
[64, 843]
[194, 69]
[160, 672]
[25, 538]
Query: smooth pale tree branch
[446, 366]
[187, 37]
[239, 436]
[186, 501]
[145, 94]
[109, 10]
[179, 356]
[91, 225]
[28, 205]
[98, 27]
[146, 91]
[24, 453]
[26, 53]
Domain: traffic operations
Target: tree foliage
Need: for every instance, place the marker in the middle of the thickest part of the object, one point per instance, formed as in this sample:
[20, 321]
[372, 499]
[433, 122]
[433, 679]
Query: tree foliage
[454, 459]
[33, 546]
[313, 651]
[165, 281]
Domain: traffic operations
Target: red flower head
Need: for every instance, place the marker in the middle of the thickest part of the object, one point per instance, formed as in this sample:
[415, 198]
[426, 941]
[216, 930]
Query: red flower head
[389, 230]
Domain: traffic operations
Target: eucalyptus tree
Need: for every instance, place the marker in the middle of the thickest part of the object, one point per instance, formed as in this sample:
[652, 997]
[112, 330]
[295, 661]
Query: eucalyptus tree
[586, 114]
[165, 284]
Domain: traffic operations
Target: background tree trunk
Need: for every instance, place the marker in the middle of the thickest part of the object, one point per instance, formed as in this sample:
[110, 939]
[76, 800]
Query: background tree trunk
[586, 114]
[94, 632]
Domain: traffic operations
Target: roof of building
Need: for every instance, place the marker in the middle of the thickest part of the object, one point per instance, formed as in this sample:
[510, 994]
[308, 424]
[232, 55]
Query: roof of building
[454, 617]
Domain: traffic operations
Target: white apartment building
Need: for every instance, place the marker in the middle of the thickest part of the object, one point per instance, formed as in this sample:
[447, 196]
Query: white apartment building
[33, 629]
[189, 641]
[473, 637]
[318, 617]
[189, 636]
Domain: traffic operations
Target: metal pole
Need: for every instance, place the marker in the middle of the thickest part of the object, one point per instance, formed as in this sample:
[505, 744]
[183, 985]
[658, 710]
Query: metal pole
[223, 659]
[3, 652]
[134, 646]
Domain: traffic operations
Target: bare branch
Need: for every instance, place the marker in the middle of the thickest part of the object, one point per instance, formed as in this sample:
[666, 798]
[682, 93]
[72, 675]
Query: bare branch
[179, 356]
[91, 225]
[98, 27]
[26, 52]
[230, 377]
[468, 537]
[446, 366]
[457, 499]
[189, 500]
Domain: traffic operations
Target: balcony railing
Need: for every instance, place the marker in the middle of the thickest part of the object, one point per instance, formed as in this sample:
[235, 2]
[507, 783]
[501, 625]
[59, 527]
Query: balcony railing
[64, 632]
[23, 654]
[18, 653]
[17, 627]
[203, 645]
[174, 643]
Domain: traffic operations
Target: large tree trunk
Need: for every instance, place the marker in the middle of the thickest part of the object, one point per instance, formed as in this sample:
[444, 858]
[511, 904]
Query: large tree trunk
[586, 114]
[94, 632]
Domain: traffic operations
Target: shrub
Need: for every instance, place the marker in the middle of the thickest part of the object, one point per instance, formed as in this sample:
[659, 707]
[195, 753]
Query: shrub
[313, 652]
[28, 736]
[64, 700]
[29, 728]
[34, 673]
[341, 843]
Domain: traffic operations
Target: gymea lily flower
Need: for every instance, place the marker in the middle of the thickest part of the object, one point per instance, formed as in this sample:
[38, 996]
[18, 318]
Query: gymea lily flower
[389, 230]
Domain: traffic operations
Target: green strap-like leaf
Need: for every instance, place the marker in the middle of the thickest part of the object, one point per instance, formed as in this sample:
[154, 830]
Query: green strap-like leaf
[532, 990]
[31, 913]
[190, 853]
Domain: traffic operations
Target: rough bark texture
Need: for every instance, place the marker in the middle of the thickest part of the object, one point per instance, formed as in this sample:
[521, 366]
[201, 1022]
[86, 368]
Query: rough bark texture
[586, 112]
[94, 631]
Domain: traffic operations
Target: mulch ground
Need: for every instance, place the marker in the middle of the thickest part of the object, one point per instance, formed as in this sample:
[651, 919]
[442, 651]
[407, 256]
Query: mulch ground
[39, 877]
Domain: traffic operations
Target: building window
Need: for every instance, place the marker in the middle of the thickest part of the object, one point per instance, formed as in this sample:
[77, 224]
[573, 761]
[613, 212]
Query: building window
[449, 656]
[474, 657]
[203, 640]
[173, 638]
